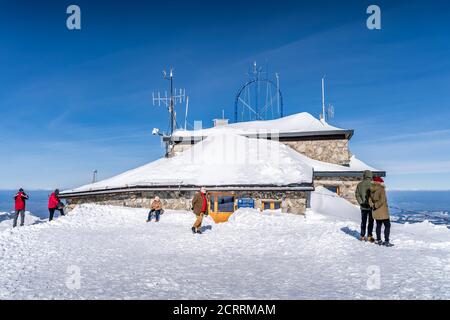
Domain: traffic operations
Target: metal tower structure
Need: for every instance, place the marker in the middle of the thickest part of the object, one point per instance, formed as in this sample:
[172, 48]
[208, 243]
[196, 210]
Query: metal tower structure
[259, 98]
[169, 99]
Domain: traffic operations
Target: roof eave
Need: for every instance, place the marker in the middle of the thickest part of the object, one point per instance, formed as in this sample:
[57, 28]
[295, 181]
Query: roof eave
[338, 134]
[347, 173]
[267, 187]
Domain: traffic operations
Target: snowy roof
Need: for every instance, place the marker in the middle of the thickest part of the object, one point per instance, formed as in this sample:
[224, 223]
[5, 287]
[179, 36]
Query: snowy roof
[228, 159]
[296, 123]
[219, 160]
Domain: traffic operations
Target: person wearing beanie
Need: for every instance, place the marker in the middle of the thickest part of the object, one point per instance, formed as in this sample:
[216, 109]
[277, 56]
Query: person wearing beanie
[362, 196]
[379, 205]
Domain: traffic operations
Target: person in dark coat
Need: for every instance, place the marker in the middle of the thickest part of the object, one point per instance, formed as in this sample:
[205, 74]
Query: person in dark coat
[200, 208]
[54, 203]
[378, 202]
[362, 196]
[19, 206]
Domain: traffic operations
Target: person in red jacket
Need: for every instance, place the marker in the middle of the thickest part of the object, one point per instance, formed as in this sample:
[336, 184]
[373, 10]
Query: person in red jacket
[19, 200]
[55, 204]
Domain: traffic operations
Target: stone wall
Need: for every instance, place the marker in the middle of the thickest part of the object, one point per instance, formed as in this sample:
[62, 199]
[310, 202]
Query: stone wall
[292, 201]
[332, 151]
[347, 185]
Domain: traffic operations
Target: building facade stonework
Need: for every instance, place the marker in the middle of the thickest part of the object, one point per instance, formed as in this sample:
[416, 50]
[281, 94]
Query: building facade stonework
[346, 186]
[292, 201]
[331, 151]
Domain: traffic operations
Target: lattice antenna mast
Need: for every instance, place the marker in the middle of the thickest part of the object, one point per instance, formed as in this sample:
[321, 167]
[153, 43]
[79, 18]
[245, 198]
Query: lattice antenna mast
[175, 96]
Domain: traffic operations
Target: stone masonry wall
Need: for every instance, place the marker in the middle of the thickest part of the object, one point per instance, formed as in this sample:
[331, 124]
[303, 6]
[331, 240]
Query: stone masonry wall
[292, 201]
[347, 185]
[332, 151]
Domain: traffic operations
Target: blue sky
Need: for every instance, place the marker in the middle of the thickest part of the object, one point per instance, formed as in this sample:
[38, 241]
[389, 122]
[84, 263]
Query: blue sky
[75, 101]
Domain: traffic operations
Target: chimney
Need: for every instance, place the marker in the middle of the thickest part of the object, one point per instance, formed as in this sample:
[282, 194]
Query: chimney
[220, 122]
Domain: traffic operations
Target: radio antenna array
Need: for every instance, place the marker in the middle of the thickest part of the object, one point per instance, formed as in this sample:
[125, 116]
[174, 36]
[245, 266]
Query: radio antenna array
[170, 99]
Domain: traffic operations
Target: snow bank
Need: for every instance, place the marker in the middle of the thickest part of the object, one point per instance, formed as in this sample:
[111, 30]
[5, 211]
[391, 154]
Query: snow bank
[6, 220]
[327, 204]
[300, 122]
[220, 159]
[331, 205]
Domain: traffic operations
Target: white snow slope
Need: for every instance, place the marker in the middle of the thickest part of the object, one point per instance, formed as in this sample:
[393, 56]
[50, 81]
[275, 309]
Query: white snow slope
[253, 256]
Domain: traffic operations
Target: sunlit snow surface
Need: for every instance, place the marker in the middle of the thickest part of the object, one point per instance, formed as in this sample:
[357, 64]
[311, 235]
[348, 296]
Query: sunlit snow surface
[261, 256]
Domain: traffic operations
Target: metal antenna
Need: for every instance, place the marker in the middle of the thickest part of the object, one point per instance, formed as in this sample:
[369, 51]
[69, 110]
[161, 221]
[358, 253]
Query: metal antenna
[175, 96]
[169, 101]
[259, 98]
[323, 99]
[187, 110]
[330, 111]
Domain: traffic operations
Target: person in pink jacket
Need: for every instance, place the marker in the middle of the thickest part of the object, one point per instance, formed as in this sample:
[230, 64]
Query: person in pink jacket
[54, 203]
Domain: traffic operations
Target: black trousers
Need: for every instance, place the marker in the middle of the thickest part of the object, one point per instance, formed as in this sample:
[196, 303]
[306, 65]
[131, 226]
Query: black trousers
[52, 212]
[387, 229]
[366, 214]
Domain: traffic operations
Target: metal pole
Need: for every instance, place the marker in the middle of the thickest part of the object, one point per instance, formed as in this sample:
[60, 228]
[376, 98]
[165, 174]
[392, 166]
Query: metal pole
[280, 112]
[187, 110]
[323, 99]
[172, 112]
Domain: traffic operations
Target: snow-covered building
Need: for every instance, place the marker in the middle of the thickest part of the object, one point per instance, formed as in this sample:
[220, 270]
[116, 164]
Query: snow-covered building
[275, 163]
[326, 147]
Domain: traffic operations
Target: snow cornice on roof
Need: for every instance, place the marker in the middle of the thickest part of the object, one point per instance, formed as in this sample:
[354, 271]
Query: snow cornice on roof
[299, 125]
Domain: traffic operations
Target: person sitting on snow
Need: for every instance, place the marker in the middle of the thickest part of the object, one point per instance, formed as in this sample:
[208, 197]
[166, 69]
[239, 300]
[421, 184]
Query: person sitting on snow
[55, 204]
[156, 209]
[19, 200]
[362, 196]
[200, 208]
[378, 203]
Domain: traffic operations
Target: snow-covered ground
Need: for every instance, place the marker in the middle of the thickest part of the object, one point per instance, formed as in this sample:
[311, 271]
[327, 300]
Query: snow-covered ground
[254, 255]
[6, 220]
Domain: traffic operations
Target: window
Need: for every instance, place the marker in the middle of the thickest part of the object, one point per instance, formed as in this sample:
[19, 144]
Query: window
[225, 203]
[221, 206]
[270, 204]
[334, 189]
[221, 202]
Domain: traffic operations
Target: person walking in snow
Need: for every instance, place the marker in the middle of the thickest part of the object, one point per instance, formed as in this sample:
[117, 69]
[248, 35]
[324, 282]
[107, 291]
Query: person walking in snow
[379, 205]
[19, 200]
[155, 209]
[362, 196]
[200, 208]
[54, 203]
